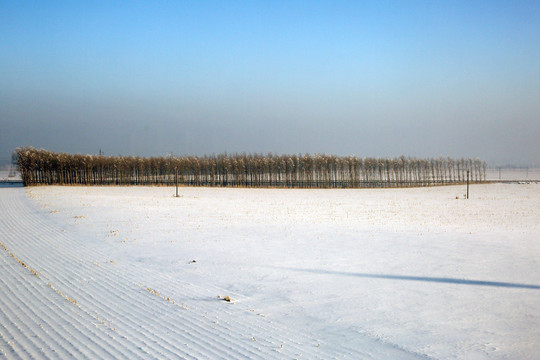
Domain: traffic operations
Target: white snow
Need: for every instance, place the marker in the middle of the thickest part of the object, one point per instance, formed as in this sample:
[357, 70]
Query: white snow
[521, 174]
[9, 174]
[366, 273]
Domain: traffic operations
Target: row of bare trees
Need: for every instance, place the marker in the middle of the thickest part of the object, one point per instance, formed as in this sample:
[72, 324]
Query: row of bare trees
[248, 170]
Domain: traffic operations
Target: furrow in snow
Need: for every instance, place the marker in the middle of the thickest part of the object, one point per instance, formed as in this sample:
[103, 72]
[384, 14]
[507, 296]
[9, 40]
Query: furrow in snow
[162, 347]
[30, 294]
[112, 312]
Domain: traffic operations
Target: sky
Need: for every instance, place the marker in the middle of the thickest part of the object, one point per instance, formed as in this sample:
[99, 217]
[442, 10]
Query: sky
[364, 78]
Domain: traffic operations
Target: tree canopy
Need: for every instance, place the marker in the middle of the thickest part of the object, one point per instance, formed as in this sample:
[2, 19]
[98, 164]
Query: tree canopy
[246, 170]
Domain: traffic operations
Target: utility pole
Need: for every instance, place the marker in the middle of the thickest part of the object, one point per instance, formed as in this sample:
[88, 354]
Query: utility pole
[467, 184]
[176, 180]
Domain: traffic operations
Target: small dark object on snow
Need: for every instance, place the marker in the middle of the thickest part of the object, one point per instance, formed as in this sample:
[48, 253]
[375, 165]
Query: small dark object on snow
[192, 262]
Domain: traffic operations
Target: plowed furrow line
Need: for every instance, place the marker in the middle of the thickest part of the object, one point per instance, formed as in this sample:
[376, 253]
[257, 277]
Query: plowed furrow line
[199, 334]
[74, 321]
[223, 330]
[49, 325]
[71, 302]
[44, 297]
[253, 328]
[9, 348]
[221, 348]
[22, 327]
[154, 328]
[144, 326]
[152, 324]
[137, 328]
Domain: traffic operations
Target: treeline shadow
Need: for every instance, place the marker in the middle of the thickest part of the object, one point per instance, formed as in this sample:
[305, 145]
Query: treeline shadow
[443, 280]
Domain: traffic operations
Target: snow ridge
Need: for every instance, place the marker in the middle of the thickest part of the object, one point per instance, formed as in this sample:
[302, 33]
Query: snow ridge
[68, 300]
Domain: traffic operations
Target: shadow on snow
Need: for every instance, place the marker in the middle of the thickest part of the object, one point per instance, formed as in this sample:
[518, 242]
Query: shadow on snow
[421, 278]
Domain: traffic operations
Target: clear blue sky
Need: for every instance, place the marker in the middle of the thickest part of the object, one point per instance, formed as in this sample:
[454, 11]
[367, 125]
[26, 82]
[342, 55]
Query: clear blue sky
[419, 78]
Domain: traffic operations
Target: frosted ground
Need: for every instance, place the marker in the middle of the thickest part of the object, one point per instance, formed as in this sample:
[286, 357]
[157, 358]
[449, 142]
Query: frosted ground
[377, 274]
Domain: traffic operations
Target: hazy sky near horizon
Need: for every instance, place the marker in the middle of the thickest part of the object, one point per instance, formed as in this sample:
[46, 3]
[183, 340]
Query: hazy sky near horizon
[377, 78]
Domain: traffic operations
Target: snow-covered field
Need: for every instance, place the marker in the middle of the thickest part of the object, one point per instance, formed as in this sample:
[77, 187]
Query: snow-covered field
[520, 174]
[133, 272]
[7, 175]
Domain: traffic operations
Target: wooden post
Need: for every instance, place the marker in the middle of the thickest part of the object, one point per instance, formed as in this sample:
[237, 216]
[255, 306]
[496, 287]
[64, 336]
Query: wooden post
[467, 184]
[176, 180]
